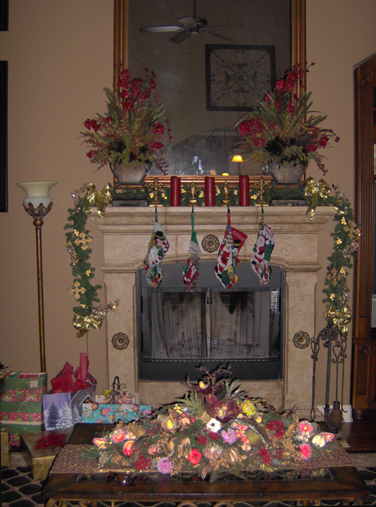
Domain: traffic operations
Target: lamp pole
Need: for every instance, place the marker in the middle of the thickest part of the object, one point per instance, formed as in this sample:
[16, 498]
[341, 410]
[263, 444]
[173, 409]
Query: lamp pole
[38, 204]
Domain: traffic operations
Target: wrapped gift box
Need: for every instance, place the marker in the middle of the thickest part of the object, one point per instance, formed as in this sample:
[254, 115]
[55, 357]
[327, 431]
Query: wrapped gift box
[106, 412]
[21, 404]
[4, 447]
[43, 455]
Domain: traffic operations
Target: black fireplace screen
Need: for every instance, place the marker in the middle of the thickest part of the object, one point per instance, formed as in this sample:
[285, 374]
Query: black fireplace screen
[178, 331]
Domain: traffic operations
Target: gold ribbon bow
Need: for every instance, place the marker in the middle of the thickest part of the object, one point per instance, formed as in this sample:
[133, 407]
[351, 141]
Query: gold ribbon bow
[95, 319]
[340, 318]
[97, 198]
[313, 191]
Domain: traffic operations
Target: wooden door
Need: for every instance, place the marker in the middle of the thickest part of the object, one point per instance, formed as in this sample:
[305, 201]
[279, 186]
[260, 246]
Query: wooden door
[364, 342]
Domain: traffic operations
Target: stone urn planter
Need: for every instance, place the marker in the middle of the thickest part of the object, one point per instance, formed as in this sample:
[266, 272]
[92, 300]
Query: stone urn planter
[129, 173]
[288, 175]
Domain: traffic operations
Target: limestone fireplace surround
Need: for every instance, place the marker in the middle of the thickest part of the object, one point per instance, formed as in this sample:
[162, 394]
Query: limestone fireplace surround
[127, 231]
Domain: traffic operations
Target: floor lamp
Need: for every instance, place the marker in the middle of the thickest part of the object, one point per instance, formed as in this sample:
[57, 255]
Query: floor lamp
[37, 204]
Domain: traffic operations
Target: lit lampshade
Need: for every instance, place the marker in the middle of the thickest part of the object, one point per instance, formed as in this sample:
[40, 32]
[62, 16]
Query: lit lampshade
[237, 158]
[37, 192]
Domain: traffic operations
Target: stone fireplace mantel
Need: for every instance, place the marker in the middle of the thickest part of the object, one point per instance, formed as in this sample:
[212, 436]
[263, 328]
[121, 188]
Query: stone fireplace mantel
[127, 232]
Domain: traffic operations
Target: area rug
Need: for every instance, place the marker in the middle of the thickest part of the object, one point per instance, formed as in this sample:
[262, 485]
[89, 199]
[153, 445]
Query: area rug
[18, 489]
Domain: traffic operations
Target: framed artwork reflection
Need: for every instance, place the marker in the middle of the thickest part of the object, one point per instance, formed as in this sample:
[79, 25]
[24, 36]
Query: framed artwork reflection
[237, 76]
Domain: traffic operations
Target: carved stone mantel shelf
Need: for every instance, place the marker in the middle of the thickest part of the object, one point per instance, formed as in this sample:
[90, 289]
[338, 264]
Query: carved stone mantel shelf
[127, 232]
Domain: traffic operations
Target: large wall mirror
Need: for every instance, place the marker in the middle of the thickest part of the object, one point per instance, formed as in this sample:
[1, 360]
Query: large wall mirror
[212, 72]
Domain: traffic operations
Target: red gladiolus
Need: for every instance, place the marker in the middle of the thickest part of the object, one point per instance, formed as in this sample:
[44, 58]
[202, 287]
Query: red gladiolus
[280, 85]
[91, 153]
[311, 147]
[158, 128]
[323, 141]
[195, 456]
[157, 146]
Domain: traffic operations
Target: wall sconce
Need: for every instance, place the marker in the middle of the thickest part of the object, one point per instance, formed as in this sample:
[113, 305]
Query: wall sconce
[37, 204]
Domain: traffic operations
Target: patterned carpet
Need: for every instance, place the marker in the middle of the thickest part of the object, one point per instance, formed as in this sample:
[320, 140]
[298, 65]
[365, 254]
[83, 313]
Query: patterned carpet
[19, 490]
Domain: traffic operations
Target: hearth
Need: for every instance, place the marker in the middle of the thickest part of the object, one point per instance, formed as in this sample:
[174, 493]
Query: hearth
[177, 331]
[127, 232]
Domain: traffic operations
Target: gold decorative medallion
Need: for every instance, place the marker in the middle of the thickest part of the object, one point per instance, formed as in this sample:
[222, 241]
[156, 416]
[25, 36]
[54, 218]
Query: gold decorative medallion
[210, 243]
[120, 341]
[301, 339]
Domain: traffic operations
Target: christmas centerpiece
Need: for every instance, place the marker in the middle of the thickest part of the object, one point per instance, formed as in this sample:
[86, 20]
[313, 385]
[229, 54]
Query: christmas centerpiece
[133, 133]
[283, 132]
[215, 428]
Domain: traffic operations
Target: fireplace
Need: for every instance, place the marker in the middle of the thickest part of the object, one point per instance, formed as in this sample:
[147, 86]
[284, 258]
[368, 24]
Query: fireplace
[177, 330]
[127, 232]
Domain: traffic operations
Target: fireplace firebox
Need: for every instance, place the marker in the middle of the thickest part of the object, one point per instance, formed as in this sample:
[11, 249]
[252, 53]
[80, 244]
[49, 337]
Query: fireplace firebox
[242, 327]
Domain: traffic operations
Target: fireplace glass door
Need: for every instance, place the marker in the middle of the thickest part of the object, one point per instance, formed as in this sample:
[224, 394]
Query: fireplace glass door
[178, 331]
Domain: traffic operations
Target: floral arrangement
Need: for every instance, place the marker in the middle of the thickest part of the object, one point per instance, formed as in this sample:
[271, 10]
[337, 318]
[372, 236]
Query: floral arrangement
[215, 428]
[282, 128]
[134, 127]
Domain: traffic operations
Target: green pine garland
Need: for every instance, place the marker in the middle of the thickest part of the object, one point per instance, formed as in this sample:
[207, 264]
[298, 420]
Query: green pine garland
[86, 315]
[82, 270]
[346, 240]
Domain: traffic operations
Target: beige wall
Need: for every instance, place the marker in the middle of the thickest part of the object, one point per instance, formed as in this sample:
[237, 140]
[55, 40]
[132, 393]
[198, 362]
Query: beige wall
[60, 58]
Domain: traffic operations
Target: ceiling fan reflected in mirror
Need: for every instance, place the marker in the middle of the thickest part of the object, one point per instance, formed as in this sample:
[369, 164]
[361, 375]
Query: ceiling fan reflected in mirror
[187, 26]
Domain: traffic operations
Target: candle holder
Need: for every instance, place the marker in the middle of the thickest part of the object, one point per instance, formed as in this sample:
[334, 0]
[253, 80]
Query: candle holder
[38, 204]
[193, 192]
[261, 191]
[154, 187]
[226, 199]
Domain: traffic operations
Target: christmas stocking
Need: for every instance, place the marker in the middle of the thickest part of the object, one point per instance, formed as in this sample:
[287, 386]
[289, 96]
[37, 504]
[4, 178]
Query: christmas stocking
[262, 252]
[190, 271]
[227, 258]
[158, 247]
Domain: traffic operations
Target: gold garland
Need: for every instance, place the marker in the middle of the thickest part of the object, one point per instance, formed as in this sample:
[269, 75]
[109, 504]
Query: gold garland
[346, 241]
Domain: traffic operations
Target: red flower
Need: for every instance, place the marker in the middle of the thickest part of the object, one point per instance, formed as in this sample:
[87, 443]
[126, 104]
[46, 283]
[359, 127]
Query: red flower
[87, 124]
[195, 456]
[158, 128]
[157, 146]
[91, 153]
[202, 440]
[266, 457]
[213, 435]
[311, 147]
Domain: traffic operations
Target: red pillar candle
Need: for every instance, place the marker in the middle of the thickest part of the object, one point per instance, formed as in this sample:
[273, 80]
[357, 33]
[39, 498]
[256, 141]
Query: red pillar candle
[244, 190]
[209, 191]
[175, 191]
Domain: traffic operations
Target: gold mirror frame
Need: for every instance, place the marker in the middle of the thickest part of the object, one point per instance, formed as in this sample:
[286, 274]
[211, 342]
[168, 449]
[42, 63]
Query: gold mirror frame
[298, 55]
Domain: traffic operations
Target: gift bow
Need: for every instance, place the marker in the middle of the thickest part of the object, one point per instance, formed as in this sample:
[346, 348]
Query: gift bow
[313, 191]
[339, 317]
[97, 198]
[94, 319]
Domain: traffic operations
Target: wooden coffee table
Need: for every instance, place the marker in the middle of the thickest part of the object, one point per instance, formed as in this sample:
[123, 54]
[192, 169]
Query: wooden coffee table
[334, 483]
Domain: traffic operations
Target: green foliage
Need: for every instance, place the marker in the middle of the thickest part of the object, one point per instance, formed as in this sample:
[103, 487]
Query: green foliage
[82, 270]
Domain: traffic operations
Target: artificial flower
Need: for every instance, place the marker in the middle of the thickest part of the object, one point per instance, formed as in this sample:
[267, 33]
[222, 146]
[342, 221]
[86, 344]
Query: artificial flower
[165, 465]
[283, 128]
[133, 128]
[305, 451]
[195, 456]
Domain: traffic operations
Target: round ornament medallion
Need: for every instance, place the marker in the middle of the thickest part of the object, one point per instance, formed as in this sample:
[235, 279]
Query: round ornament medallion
[120, 341]
[301, 339]
[210, 243]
